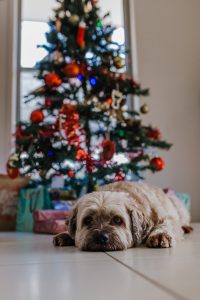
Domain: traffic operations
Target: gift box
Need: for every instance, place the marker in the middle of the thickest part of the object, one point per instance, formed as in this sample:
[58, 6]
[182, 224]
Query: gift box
[50, 226]
[45, 215]
[8, 210]
[63, 205]
[31, 199]
[9, 197]
[183, 197]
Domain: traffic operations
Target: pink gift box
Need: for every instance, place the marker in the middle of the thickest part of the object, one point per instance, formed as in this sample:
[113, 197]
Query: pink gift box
[45, 215]
[50, 226]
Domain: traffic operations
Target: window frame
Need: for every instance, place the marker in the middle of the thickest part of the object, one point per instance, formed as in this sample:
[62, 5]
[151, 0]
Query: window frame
[131, 71]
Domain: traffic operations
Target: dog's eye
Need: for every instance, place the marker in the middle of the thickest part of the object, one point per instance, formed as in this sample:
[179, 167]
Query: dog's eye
[87, 221]
[117, 220]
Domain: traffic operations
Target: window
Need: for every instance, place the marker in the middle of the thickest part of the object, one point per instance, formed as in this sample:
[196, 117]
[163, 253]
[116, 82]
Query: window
[34, 24]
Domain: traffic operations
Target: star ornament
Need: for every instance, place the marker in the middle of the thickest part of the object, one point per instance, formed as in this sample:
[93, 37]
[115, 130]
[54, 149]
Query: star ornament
[117, 98]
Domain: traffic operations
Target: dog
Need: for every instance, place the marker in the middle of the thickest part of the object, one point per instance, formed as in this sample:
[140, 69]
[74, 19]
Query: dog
[123, 215]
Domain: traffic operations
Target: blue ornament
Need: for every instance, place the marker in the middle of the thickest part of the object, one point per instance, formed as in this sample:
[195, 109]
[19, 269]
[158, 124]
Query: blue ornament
[93, 81]
[50, 152]
[80, 77]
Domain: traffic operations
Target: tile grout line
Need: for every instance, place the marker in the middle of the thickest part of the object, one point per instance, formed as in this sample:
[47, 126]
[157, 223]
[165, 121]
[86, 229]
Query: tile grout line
[152, 281]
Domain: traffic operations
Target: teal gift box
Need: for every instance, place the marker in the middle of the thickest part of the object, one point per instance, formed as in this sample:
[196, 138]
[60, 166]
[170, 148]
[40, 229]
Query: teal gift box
[31, 199]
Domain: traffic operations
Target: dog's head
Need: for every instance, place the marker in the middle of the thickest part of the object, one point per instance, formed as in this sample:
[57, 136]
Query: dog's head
[106, 221]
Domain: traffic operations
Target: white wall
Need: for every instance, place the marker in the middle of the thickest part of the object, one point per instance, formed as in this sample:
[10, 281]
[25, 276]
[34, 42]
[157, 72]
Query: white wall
[7, 77]
[168, 47]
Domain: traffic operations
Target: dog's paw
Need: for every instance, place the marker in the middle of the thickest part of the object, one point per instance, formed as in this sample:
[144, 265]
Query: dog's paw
[187, 229]
[159, 240]
[63, 240]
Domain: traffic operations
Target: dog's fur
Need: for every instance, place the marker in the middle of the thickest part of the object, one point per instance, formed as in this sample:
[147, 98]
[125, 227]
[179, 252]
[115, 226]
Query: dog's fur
[126, 214]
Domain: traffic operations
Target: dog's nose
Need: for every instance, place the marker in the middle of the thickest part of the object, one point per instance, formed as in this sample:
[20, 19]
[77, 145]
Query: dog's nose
[101, 238]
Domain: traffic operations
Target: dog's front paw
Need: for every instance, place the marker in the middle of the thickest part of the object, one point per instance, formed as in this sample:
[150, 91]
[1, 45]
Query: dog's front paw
[159, 240]
[63, 240]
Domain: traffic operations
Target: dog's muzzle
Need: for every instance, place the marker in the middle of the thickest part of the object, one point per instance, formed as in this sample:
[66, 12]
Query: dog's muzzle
[101, 238]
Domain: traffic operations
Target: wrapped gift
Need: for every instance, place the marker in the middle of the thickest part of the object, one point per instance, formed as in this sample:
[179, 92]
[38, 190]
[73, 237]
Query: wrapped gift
[44, 215]
[183, 197]
[50, 226]
[62, 205]
[31, 200]
[8, 209]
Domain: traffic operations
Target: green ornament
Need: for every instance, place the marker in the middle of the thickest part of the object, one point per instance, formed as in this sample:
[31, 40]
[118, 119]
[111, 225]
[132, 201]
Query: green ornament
[99, 23]
[121, 133]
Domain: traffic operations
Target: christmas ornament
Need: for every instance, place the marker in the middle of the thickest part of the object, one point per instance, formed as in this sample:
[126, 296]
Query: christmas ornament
[52, 80]
[81, 34]
[117, 98]
[90, 164]
[12, 169]
[119, 62]
[157, 163]
[106, 59]
[42, 173]
[57, 57]
[154, 134]
[108, 150]
[109, 101]
[37, 116]
[71, 70]
[93, 81]
[13, 160]
[58, 24]
[81, 154]
[144, 109]
[12, 172]
[74, 19]
[120, 176]
[99, 23]
[68, 109]
[109, 38]
[70, 173]
[48, 102]
[94, 2]
[88, 7]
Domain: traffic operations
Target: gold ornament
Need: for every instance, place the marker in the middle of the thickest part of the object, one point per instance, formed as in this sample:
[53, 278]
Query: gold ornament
[119, 62]
[109, 39]
[74, 19]
[42, 173]
[144, 109]
[57, 57]
[58, 24]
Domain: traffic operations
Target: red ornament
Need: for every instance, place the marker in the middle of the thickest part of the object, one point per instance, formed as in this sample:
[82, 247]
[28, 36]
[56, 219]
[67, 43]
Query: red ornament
[52, 80]
[81, 154]
[81, 34]
[89, 164]
[157, 163]
[71, 70]
[154, 134]
[37, 116]
[68, 109]
[48, 102]
[12, 172]
[120, 176]
[109, 101]
[70, 173]
[108, 150]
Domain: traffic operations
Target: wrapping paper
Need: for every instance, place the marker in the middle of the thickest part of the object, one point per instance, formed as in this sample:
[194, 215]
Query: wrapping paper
[30, 201]
[49, 215]
[50, 226]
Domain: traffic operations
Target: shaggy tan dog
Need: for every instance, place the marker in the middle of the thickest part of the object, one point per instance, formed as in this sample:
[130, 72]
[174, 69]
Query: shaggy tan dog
[123, 215]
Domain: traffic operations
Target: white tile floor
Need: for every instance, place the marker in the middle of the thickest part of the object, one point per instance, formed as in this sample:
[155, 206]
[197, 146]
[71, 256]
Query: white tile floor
[32, 269]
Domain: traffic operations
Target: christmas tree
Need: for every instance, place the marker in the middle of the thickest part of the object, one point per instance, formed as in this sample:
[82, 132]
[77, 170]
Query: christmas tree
[83, 128]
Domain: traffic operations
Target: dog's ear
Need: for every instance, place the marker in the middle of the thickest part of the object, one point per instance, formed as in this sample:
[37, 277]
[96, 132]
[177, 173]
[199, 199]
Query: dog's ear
[71, 222]
[140, 224]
